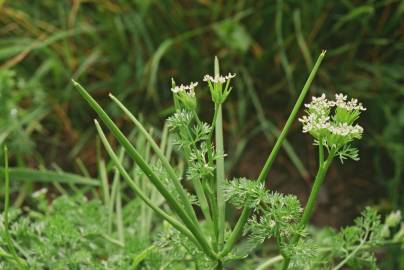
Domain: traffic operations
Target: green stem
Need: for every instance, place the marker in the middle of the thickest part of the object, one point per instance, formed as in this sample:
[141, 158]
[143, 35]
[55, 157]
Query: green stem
[289, 122]
[213, 186]
[308, 210]
[220, 177]
[237, 231]
[203, 202]
[199, 190]
[273, 260]
[197, 184]
[347, 258]
[321, 153]
[269, 262]
[195, 236]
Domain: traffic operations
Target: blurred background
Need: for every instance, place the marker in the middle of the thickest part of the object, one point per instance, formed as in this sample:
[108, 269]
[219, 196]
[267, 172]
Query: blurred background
[134, 48]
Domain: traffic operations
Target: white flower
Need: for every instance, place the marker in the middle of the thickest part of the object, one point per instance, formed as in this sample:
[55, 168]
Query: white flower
[190, 88]
[345, 130]
[230, 76]
[177, 89]
[314, 122]
[219, 78]
[319, 123]
[320, 104]
[351, 105]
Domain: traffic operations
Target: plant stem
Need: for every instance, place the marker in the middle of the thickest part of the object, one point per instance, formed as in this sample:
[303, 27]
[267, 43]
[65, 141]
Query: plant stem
[355, 249]
[220, 177]
[308, 210]
[321, 153]
[213, 186]
[343, 262]
[270, 262]
[289, 122]
[238, 229]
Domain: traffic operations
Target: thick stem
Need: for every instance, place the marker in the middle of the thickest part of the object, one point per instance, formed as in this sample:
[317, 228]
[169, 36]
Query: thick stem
[308, 210]
[220, 178]
[213, 186]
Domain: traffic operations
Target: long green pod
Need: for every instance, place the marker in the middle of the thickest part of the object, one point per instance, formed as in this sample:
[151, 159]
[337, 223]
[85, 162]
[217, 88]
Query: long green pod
[134, 154]
[238, 229]
[166, 164]
[143, 196]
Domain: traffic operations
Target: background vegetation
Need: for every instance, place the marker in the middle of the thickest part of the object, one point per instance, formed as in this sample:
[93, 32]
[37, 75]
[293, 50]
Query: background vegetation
[133, 48]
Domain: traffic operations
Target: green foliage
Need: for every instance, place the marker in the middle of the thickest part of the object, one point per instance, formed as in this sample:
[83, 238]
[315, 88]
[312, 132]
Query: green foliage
[353, 246]
[242, 192]
[22, 107]
[72, 233]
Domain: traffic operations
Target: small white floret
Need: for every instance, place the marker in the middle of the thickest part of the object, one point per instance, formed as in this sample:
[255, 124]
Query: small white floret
[180, 88]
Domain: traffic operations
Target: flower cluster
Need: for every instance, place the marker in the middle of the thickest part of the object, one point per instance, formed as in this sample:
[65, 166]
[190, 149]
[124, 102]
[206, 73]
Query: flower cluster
[333, 129]
[218, 78]
[189, 89]
[219, 86]
[351, 105]
[184, 96]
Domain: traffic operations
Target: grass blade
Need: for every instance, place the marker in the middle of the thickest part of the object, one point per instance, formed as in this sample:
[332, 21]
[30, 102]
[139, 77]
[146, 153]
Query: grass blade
[166, 164]
[46, 176]
[143, 196]
[134, 154]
